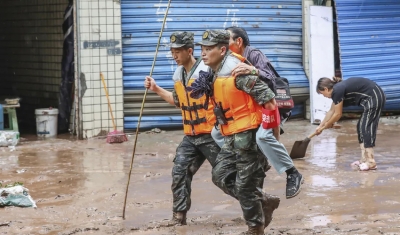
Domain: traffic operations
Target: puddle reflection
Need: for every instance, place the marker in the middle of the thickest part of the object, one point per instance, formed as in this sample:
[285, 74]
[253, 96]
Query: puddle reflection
[321, 181]
[324, 152]
[324, 220]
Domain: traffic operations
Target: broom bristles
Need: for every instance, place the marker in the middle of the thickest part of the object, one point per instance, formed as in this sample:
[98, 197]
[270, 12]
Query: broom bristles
[116, 137]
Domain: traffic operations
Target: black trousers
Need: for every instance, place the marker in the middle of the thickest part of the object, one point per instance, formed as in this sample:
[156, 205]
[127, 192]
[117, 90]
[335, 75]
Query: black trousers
[190, 155]
[368, 123]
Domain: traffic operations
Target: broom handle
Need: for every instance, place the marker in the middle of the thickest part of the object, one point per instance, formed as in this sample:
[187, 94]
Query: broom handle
[108, 99]
[141, 109]
[314, 134]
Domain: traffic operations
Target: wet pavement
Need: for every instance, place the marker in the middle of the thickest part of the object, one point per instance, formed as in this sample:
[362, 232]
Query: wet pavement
[79, 187]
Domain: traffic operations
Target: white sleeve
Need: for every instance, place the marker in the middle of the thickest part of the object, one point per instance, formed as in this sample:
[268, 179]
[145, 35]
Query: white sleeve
[178, 74]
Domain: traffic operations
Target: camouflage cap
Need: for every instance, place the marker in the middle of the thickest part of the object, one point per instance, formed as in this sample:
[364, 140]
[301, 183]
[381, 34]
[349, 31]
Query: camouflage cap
[180, 39]
[213, 37]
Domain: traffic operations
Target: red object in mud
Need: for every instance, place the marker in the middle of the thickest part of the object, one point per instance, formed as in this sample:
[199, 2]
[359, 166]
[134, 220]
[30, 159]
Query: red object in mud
[270, 118]
[116, 137]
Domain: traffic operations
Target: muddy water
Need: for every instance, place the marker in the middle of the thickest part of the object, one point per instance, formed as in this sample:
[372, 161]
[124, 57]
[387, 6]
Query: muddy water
[79, 187]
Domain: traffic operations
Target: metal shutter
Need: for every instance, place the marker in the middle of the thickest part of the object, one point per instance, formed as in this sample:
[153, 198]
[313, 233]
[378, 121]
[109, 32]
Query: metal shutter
[275, 27]
[369, 43]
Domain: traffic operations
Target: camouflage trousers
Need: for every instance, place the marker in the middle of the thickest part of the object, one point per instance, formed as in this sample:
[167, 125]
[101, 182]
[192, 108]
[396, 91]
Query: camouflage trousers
[190, 155]
[239, 173]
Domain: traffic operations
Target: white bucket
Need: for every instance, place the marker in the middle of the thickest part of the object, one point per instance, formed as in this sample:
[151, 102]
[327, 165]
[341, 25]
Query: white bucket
[46, 122]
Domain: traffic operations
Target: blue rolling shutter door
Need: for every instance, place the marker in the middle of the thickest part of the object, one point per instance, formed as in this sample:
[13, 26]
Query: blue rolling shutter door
[275, 27]
[369, 43]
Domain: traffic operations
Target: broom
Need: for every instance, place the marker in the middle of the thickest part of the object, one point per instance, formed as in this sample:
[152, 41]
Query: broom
[113, 136]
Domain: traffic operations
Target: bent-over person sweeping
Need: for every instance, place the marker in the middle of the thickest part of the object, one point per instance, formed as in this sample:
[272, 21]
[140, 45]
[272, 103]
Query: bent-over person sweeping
[361, 92]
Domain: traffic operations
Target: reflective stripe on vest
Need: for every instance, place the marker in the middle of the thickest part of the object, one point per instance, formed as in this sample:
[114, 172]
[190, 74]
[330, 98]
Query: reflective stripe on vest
[193, 112]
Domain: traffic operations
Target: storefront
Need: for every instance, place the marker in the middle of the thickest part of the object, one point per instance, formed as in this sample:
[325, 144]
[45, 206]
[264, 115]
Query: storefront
[275, 29]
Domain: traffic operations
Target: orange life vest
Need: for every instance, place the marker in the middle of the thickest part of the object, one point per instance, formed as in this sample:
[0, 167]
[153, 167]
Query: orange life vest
[241, 110]
[193, 113]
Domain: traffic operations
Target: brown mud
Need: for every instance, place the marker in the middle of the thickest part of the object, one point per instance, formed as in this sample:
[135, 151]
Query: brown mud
[79, 187]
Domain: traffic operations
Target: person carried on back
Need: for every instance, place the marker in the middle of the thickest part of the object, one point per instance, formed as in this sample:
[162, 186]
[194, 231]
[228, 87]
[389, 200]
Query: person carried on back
[257, 64]
[238, 103]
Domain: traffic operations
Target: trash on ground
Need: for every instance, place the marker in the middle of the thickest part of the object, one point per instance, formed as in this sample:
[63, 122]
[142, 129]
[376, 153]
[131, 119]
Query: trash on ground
[9, 138]
[21, 171]
[7, 223]
[154, 130]
[16, 195]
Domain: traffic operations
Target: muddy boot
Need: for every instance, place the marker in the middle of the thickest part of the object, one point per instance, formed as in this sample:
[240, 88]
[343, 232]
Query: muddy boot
[178, 218]
[369, 163]
[257, 230]
[269, 204]
[355, 165]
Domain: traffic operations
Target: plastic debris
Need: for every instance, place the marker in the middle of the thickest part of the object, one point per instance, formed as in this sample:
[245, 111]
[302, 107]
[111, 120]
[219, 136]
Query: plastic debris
[154, 130]
[16, 196]
[9, 138]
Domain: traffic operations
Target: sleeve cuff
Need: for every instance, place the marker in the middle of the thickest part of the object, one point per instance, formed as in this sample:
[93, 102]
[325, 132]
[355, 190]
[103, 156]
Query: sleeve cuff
[265, 97]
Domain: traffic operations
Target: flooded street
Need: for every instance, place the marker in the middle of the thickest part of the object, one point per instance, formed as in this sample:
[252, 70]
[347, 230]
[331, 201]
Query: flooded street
[79, 187]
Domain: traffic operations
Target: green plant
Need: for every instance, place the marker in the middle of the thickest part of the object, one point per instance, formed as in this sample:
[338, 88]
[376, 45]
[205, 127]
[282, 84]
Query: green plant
[11, 185]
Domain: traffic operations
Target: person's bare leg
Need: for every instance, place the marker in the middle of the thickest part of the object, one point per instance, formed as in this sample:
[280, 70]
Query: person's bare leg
[370, 163]
[356, 164]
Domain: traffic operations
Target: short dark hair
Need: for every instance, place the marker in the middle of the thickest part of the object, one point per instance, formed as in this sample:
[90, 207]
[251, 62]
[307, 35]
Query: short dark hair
[238, 32]
[188, 46]
[219, 45]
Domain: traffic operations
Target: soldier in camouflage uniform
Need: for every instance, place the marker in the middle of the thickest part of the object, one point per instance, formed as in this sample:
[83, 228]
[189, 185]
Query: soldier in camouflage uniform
[237, 168]
[195, 148]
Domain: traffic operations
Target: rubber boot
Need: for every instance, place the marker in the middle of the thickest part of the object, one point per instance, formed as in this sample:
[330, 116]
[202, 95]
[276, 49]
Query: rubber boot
[370, 163]
[257, 230]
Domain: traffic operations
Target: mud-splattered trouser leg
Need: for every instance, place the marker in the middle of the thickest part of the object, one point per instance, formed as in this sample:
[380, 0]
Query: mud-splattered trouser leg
[239, 153]
[368, 123]
[190, 155]
[219, 139]
[186, 163]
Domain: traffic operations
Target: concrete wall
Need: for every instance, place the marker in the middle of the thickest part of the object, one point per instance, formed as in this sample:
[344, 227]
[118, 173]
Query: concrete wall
[306, 22]
[321, 58]
[306, 31]
[100, 50]
[31, 40]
